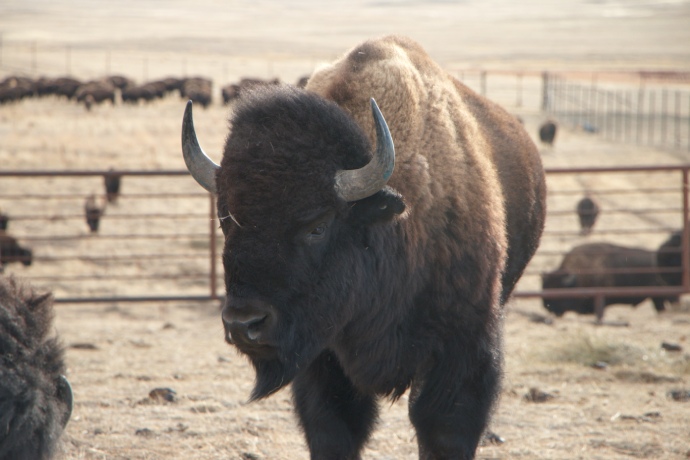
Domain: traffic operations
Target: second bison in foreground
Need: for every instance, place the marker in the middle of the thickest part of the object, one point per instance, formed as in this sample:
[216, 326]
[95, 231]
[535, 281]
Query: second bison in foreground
[352, 278]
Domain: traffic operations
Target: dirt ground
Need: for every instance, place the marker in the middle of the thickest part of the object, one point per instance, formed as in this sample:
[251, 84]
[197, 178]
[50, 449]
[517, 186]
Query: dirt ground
[572, 390]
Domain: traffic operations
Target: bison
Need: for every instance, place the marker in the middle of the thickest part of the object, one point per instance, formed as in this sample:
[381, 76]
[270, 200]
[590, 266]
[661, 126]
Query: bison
[95, 92]
[93, 213]
[603, 265]
[547, 132]
[11, 251]
[16, 88]
[35, 397]
[232, 91]
[198, 89]
[356, 275]
[112, 182]
[587, 212]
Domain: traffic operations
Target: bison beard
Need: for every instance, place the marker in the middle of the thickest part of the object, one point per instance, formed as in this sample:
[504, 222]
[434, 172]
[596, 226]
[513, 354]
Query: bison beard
[354, 284]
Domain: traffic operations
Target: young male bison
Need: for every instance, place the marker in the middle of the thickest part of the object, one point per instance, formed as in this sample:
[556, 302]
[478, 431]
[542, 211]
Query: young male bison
[354, 277]
[35, 397]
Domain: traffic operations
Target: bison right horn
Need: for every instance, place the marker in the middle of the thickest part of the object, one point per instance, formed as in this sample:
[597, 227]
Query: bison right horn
[202, 168]
[357, 184]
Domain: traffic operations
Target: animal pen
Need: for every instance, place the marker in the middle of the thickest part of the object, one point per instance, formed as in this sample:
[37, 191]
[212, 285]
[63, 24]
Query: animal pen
[160, 240]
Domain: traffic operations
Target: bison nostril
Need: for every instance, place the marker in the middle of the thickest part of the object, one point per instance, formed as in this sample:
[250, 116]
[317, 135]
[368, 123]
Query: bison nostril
[254, 327]
[249, 325]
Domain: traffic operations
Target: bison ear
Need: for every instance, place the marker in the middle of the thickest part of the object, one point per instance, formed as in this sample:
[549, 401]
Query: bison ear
[380, 207]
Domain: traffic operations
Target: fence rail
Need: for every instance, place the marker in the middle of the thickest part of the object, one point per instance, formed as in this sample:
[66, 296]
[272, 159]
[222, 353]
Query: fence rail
[135, 257]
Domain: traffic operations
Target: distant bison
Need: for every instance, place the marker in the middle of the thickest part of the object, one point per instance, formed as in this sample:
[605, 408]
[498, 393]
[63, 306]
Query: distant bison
[95, 92]
[35, 396]
[15, 89]
[233, 91]
[11, 251]
[357, 266]
[603, 265]
[61, 86]
[587, 213]
[199, 90]
[547, 132]
[93, 213]
[112, 182]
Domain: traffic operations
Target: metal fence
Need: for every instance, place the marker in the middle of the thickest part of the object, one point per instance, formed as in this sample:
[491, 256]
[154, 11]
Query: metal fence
[160, 240]
[643, 113]
[157, 241]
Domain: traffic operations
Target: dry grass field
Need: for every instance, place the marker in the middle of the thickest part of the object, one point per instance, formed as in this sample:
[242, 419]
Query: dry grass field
[118, 353]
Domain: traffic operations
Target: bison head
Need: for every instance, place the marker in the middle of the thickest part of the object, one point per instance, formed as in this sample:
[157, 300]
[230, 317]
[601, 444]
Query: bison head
[301, 202]
[559, 279]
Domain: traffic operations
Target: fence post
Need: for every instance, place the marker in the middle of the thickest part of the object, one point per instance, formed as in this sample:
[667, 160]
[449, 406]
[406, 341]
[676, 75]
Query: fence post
[664, 115]
[482, 77]
[640, 105]
[544, 91]
[212, 246]
[651, 110]
[676, 120]
[686, 235]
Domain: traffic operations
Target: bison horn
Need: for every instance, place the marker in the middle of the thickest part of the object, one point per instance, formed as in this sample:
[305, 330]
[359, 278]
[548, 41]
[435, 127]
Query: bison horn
[356, 184]
[202, 168]
[64, 393]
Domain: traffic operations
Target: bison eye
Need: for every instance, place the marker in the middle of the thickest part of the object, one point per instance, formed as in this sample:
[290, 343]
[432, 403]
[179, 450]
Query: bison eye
[318, 231]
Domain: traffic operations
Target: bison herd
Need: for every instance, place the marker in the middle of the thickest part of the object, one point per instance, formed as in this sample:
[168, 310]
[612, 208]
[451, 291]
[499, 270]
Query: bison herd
[117, 87]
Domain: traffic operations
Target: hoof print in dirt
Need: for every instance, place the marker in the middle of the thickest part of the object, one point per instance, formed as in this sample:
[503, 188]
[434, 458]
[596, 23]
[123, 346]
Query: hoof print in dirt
[537, 396]
[679, 395]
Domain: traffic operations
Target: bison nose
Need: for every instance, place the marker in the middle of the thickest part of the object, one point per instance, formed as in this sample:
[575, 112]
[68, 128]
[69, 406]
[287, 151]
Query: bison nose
[249, 323]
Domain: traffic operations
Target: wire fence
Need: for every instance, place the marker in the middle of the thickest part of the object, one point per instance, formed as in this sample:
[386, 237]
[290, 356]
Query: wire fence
[643, 114]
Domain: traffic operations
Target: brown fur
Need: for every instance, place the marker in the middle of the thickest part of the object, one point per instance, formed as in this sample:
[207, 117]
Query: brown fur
[450, 142]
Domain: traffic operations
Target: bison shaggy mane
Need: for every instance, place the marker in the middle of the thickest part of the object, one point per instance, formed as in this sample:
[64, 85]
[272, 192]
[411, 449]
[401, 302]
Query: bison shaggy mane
[35, 398]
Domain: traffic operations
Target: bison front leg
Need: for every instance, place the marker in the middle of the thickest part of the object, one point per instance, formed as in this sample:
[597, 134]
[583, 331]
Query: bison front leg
[336, 418]
[451, 406]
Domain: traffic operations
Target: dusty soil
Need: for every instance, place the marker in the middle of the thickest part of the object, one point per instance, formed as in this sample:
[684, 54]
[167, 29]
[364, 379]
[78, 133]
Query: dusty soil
[118, 352]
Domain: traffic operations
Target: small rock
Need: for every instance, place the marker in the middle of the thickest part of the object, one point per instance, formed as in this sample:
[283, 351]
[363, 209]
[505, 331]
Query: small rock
[249, 456]
[162, 395]
[538, 396]
[671, 346]
[601, 365]
[679, 395]
[144, 432]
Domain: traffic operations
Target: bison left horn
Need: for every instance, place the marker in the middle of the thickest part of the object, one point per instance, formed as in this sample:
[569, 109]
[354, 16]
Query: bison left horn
[202, 168]
[357, 184]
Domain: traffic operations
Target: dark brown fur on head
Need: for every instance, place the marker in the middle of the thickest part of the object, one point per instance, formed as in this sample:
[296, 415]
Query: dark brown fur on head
[35, 399]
